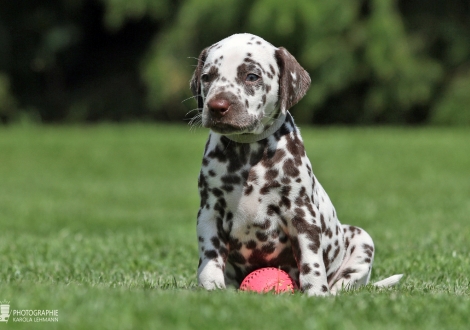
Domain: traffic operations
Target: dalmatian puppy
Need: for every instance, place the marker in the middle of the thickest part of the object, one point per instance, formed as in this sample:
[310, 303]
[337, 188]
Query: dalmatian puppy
[261, 205]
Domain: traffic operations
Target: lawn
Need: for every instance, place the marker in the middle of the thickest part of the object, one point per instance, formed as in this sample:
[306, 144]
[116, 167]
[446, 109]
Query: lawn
[98, 222]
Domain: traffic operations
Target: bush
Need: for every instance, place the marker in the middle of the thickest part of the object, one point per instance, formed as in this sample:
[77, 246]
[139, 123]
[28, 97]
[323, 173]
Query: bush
[8, 109]
[342, 45]
[453, 107]
[371, 61]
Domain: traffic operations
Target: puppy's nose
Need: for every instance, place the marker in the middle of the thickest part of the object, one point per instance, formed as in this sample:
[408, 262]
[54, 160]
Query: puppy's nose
[218, 107]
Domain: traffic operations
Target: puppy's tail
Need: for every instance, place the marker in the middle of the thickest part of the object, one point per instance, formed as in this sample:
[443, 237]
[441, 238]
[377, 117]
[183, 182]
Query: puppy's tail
[389, 281]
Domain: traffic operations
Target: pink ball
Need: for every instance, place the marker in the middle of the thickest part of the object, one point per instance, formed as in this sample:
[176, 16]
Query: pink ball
[268, 279]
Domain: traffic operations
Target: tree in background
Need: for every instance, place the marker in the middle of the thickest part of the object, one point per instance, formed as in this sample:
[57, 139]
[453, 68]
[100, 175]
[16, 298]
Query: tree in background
[7, 101]
[363, 66]
[371, 61]
[442, 29]
[63, 64]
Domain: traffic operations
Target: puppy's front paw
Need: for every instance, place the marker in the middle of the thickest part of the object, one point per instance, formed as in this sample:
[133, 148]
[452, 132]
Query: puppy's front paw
[210, 276]
[211, 284]
[311, 290]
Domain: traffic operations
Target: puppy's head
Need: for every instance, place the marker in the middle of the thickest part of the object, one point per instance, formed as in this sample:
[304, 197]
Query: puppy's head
[243, 83]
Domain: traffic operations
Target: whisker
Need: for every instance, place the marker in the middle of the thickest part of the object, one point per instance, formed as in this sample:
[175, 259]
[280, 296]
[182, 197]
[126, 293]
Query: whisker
[195, 58]
[195, 126]
[196, 121]
[196, 115]
[192, 118]
[189, 98]
[197, 109]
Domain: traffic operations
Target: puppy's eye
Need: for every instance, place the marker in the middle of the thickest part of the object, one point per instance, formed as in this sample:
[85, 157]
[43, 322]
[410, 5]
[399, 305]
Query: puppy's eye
[251, 77]
[205, 77]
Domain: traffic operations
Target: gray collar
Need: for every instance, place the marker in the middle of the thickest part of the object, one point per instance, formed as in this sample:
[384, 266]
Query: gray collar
[250, 138]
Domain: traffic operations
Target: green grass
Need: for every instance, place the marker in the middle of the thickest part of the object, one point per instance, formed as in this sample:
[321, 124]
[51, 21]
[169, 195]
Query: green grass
[98, 222]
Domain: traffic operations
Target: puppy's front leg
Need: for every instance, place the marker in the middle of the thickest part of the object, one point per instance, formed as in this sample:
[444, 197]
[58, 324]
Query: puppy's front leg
[305, 236]
[212, 251]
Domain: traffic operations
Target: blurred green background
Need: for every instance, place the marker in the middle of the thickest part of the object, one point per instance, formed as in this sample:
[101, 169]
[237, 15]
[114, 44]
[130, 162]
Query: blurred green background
[98, 221]
[371, 61]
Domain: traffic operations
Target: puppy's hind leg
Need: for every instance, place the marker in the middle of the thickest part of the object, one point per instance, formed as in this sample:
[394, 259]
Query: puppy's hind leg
[356, 267]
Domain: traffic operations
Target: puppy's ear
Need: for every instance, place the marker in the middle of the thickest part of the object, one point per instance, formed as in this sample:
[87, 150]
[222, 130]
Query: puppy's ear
[195, 83]
[294, 81]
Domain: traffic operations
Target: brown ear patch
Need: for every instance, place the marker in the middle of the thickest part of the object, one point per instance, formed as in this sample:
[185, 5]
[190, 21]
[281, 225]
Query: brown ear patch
[195, 83]
[294, 81]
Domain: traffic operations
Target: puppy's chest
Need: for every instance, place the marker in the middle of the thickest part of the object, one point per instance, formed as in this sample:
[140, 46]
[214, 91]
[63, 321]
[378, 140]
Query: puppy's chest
[258, 184]
[257, 233]
[252, 194]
